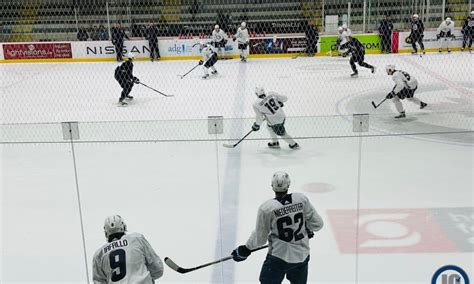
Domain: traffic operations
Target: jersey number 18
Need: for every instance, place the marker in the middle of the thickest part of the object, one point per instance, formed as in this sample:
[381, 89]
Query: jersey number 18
[272, 106]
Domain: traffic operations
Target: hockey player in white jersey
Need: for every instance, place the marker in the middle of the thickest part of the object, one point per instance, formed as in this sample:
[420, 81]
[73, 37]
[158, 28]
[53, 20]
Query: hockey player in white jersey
[269, 107]
[126, 258]
[343, 34]
[405, 87]
[445, 34]
[242, 37]
[219, 39]
[287, 222]
[209, 58]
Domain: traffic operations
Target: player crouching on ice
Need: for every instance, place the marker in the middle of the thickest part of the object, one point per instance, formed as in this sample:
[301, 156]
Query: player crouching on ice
[405, 87]
[357, 51]
[286, 222]
[124, 76]
[209, 58]
[445, 34]
[270, 107]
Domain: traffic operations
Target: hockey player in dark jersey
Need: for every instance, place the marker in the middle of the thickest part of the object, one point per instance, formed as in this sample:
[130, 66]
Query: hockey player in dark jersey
[416, 35]
[124, 76]
[468, 32]
[357, 51]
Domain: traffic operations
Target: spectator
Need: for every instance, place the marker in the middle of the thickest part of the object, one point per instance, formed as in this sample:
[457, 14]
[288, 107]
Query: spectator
[103, 33]
[152, 37]
[82, 35]
[312, 38]
[118, 36]
[385, 32]
[95, 33]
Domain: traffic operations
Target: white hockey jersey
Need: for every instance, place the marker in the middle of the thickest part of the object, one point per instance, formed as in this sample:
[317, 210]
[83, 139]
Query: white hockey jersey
[344, 36]
[207, 52]
[445, 27]
[403, 80]
[129, 260]
[242, 35]
[270, 109]
[218, 36]
[283, 223]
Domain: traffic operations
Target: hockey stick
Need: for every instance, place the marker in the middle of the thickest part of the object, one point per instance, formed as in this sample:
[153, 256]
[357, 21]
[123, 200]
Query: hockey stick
[376, 106]
[163, 94]
[182, 76]
[180, 269]
[238, 142]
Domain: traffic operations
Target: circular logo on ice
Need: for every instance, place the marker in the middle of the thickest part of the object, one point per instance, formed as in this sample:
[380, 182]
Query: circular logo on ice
[450, 274]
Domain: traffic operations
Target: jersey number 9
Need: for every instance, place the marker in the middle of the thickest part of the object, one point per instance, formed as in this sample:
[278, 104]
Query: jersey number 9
[118, 265]
[285, 228]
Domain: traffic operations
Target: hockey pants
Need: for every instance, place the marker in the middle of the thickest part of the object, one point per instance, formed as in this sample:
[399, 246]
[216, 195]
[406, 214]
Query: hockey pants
[360, 60]
[467, 39]
[274, 270]
[279, 130]
[418, 39]
[409, 95]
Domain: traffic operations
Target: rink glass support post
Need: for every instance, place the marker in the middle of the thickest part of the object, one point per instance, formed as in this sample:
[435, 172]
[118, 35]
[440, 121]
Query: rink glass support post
[70, 130]
[215, 124]
[360, 122]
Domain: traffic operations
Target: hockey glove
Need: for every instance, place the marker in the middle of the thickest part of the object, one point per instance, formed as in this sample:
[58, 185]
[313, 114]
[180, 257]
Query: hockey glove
[390, 95]
[201, 62]
[241, 253]
[310, 234]
[136, 80]
[255, 127]
[438, 36]
[280, 103]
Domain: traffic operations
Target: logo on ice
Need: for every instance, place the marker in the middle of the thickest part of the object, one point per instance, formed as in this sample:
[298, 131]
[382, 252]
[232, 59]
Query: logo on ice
[450, 274]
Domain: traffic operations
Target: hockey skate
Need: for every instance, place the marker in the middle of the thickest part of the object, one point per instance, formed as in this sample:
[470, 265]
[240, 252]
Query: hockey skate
[214, 72]
[414, 52]
[205, 76]
[440, 50]
[449, 50]
[401, 115]
[129, 97]
[121, 102]
[274, 144]
[423, 105]
[295, 146]
[354, 75]
[373, 69]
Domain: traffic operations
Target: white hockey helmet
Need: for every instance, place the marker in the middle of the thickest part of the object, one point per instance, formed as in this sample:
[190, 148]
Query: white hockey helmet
[448, 20]
[390, 68]
[260, 92]
[216, 27]
[340, 30]
[131, 55]
[344, 26]
[472, 13]
[280, 182]
[114, 224]
[243, 25]
[415, 16]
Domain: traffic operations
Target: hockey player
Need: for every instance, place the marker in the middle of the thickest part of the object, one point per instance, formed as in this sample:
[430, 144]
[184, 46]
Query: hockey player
[357, 51]
[209, 58]
[287, 222]
[468, 32]
[405, 87]
[416, 35]
[445, 33]
[126, 258]
[124, 76]
[343, 36]
[219, 38]
[242, 37]
[269, 107]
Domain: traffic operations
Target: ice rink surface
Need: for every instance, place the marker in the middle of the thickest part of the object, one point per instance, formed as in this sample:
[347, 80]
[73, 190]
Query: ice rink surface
[195, 200]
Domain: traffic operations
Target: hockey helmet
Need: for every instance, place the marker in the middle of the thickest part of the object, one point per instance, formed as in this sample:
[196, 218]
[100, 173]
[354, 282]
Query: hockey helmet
[260, 92]
[472, 13]
[340, 30]
[448, 20]
[344, 26]
[280, 182]
[243, 25]
[389, 68]
[216, 27]
[415, 16]
[131, 55]
[114, 224]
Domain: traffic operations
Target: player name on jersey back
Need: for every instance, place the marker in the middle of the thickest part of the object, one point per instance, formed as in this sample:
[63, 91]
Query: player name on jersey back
[114, 245]
[288, 210]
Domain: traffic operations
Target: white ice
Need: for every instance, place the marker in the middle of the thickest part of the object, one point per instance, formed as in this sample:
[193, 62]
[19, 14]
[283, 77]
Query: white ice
[195, 200]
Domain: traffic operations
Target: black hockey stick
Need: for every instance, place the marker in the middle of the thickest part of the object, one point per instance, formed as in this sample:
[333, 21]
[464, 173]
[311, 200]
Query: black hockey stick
[376, 106]
[180, 269]
[182, 76]
[163, 94]
[238, 142]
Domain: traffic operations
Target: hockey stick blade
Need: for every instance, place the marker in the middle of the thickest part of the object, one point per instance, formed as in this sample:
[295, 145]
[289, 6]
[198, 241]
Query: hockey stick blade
[175, 267]
[228, 146]
[373, 104]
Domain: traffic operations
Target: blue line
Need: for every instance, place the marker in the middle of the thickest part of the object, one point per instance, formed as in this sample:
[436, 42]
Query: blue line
[229, 203]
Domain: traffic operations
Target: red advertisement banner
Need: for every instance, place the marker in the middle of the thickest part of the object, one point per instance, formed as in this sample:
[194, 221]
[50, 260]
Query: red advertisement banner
[37, 50]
